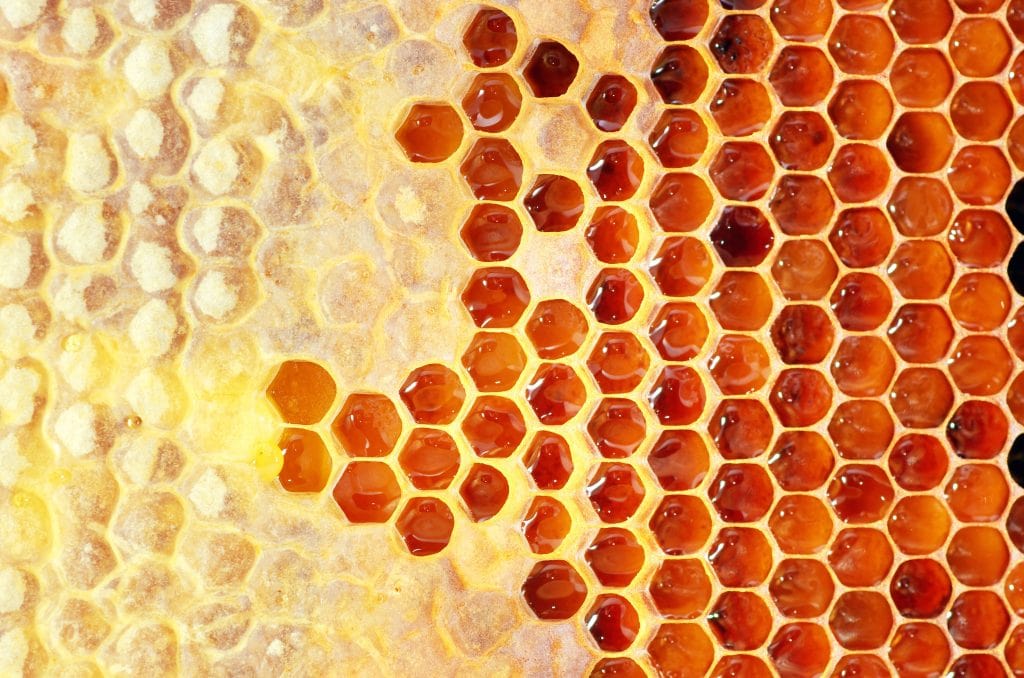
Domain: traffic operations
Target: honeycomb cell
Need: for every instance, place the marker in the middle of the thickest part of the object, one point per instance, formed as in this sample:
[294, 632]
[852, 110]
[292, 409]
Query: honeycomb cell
[979, 175]
[679, 331]
[800, 397]
[860, 110]
[741, 493]
[433, 394]
[861, 44]
[860, 493]
[368, 425]
[495, 297]
[801, 20]
[921, 333]
[861, 237]
[861, 620]
[620, 667]
[681, 524]
[615, 296]
[493, 170]
[977, 620]
[548, 460]
[804, 269]
[860, 556]
[801, 588]
[920, 269]
[613, 622]
[920, 206]
[920, 142]
[551, 69]
[921, 21]
[425, 525]
[802, 334]
[681, 267]
[554, 590]
[801, 461]
[801, 204]
[977, 493]
[430, 132]
[919, 649]
[980, 365]
[860, 302]
[800, 524]
[800, 649]
[613, 235]
[740, 621]
[741, 301]
[801, 140]
[920, 588]
[494, 426]
[863, 366]
[801, 76]
[739, 365]
[680, 588]
[742, 43]
[679, 74]
[978, 430]
[679, 460]
[492, 232]
[611, 102]
[367, 492]
[919, 525]
[861, 429]
[307, 464]
[979, 238]
[681, 650]
[981, 111]
[740, 107]
[740, 557]
[555, 394]
[615, 556]
[492, 102]
[978, 556]
[546, 524]
[858, 173]
[615, 491]
[740, 665]
[618, 362]
[741, 170]
[921, 78]
[677, 396]
[484, 492]
[1014, 651]
[615, 170]
[742, 236]
[740, 429]
[494, 361]
[979, 48]
[556, 328]
[921, 397]
[617, 427]
[679, 138]
[302, 392]
[680, 202]
[679, 19]
[490, 39]
[861, 666]
[554, 202]
[429, 458]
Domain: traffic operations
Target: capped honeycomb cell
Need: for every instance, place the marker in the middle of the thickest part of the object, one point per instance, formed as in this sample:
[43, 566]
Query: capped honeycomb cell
[367, 492]
[302, 392]
[551, 69]
[490, 39]
[430, 132]
[368, 425]
[611, 102]
[425, 525]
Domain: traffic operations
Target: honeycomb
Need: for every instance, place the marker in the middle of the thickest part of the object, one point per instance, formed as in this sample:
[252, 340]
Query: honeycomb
[542, 338]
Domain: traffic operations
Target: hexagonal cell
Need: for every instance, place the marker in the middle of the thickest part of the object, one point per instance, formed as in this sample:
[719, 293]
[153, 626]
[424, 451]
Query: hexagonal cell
[740, 557]
[681, 202]
[679, 331]
[306, 464]
[367, 492]
[617, 666]
[979, 175]
[860, 493]
[980, 48]
[801, 461]
[918, 462]
[920, 206]
[492, 232]
[740, 107]
[430, 132]
[680, 588]
[681, 524]
[494, 426]
[555, 394]
[921, 397]
[618, 362]
[918, 525]
[858, 173]
[800, 397]
[860, 109]
[679, 460]
[681, 267]
[804, 269]
[613, 622]
[741, 301]
[494, 361]
[740, 621]
[978, 430]
[433, 394]
[801, 76]
[860, 556]
[429, 458]
[679, 138]
[740, 429]
[919, 647]
[548, 460]
[741, 170]
[490, 39]
[801, 648]
[742, 43]
[493, 169]
[425, 525]
[556, 328]
[861, 620]
[977, 493]
[615, 556]
[861, 429]
[484, 492]
[861, 44]
[801, 588]
[615, 170]
[921, 78]
[677, 396]
[977, 556]
[861, 237]
[741, 493]
[801, 204]
[678, 19]
[302, 392]
[679, 74]
[920, 269]
[613, 234]
[615, 296]
[546, 524]
[492, 102]
[615, 491]
[801, 20]
[863, 366]
[802, 334]
[554, 590]
[741, 665]
[801, 140]
[921, 21]
[739, 365]
[551, 69]
[495, 297]
[368, 425]
[920, 588]
[980, 302]
[860, 302]
[981, 111]
[920, 142]
[555, 203]
[681, 650]
[611, 102]
[617, 427]
[742, 236]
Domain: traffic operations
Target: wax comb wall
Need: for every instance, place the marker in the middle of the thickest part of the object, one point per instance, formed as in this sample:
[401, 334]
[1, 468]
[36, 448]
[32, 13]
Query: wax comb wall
[539, 338]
